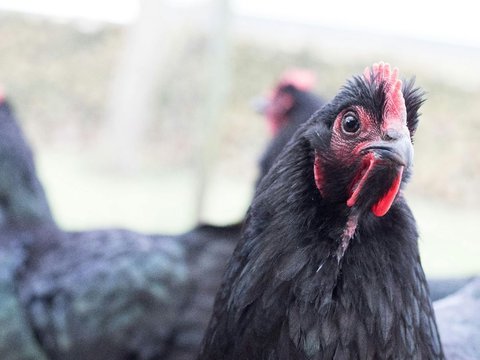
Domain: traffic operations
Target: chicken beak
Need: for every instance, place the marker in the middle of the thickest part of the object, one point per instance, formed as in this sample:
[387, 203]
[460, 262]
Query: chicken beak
[397, 155]
[398, 151]
[260, 104]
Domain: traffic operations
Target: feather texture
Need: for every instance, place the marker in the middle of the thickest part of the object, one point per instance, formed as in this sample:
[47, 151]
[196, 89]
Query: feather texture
[286, 294]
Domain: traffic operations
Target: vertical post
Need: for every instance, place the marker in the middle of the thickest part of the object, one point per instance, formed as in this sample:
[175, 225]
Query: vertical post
[132, 91]
[218, 88]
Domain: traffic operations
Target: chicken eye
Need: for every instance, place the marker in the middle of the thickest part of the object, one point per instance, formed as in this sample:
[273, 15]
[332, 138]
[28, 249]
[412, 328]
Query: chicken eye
[350, 123]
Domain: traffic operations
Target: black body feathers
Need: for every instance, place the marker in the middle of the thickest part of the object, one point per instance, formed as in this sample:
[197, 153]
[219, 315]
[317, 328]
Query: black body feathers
[287, 295]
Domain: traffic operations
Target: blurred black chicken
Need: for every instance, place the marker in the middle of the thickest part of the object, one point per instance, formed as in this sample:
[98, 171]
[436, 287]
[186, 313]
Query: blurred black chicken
[105, 294]
[22, 198]
[290, 104]
[328, 265]
[97, 295]
[22, 205]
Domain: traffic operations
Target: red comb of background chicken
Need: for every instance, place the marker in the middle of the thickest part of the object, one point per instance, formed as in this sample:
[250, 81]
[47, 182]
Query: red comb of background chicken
[281, 100]
[302, 79]
[395, 112]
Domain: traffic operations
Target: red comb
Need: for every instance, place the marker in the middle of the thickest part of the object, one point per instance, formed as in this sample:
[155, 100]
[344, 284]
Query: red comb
[302, 79]
[395, 111]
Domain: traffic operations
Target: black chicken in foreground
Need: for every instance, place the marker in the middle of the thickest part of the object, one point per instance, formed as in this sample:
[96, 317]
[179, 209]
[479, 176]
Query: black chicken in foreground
[328, 265]
[290, 104]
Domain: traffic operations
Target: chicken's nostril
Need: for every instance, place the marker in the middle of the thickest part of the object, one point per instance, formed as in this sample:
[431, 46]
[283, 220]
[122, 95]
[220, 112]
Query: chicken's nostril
[391, 134]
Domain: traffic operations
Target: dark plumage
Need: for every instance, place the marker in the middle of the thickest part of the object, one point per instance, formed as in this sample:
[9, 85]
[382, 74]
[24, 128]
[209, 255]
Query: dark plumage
[117, 294]
[290, 105]
[17, 338]
[23, 207]
[22, 198]
[328, 266]
[102, 294]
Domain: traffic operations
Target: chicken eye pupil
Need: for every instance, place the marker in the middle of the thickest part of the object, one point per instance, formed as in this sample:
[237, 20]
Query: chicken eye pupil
[350, 123]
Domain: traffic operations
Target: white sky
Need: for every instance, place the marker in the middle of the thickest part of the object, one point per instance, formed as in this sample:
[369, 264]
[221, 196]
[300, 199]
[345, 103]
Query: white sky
[456, 22]
[414, 18]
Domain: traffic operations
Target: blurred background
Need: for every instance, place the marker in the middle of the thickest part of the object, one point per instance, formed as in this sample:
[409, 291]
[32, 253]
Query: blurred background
[140, 111]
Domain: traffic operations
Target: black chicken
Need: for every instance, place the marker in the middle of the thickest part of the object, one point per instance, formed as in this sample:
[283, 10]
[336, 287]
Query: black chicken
[105, 294]
[22, 198]
[291, 103]
[117, 294]
[23, 206]
[328, 265]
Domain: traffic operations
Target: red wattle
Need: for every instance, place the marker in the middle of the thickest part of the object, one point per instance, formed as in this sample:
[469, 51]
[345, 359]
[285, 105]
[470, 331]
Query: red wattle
[360, 180]
[382, 206]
